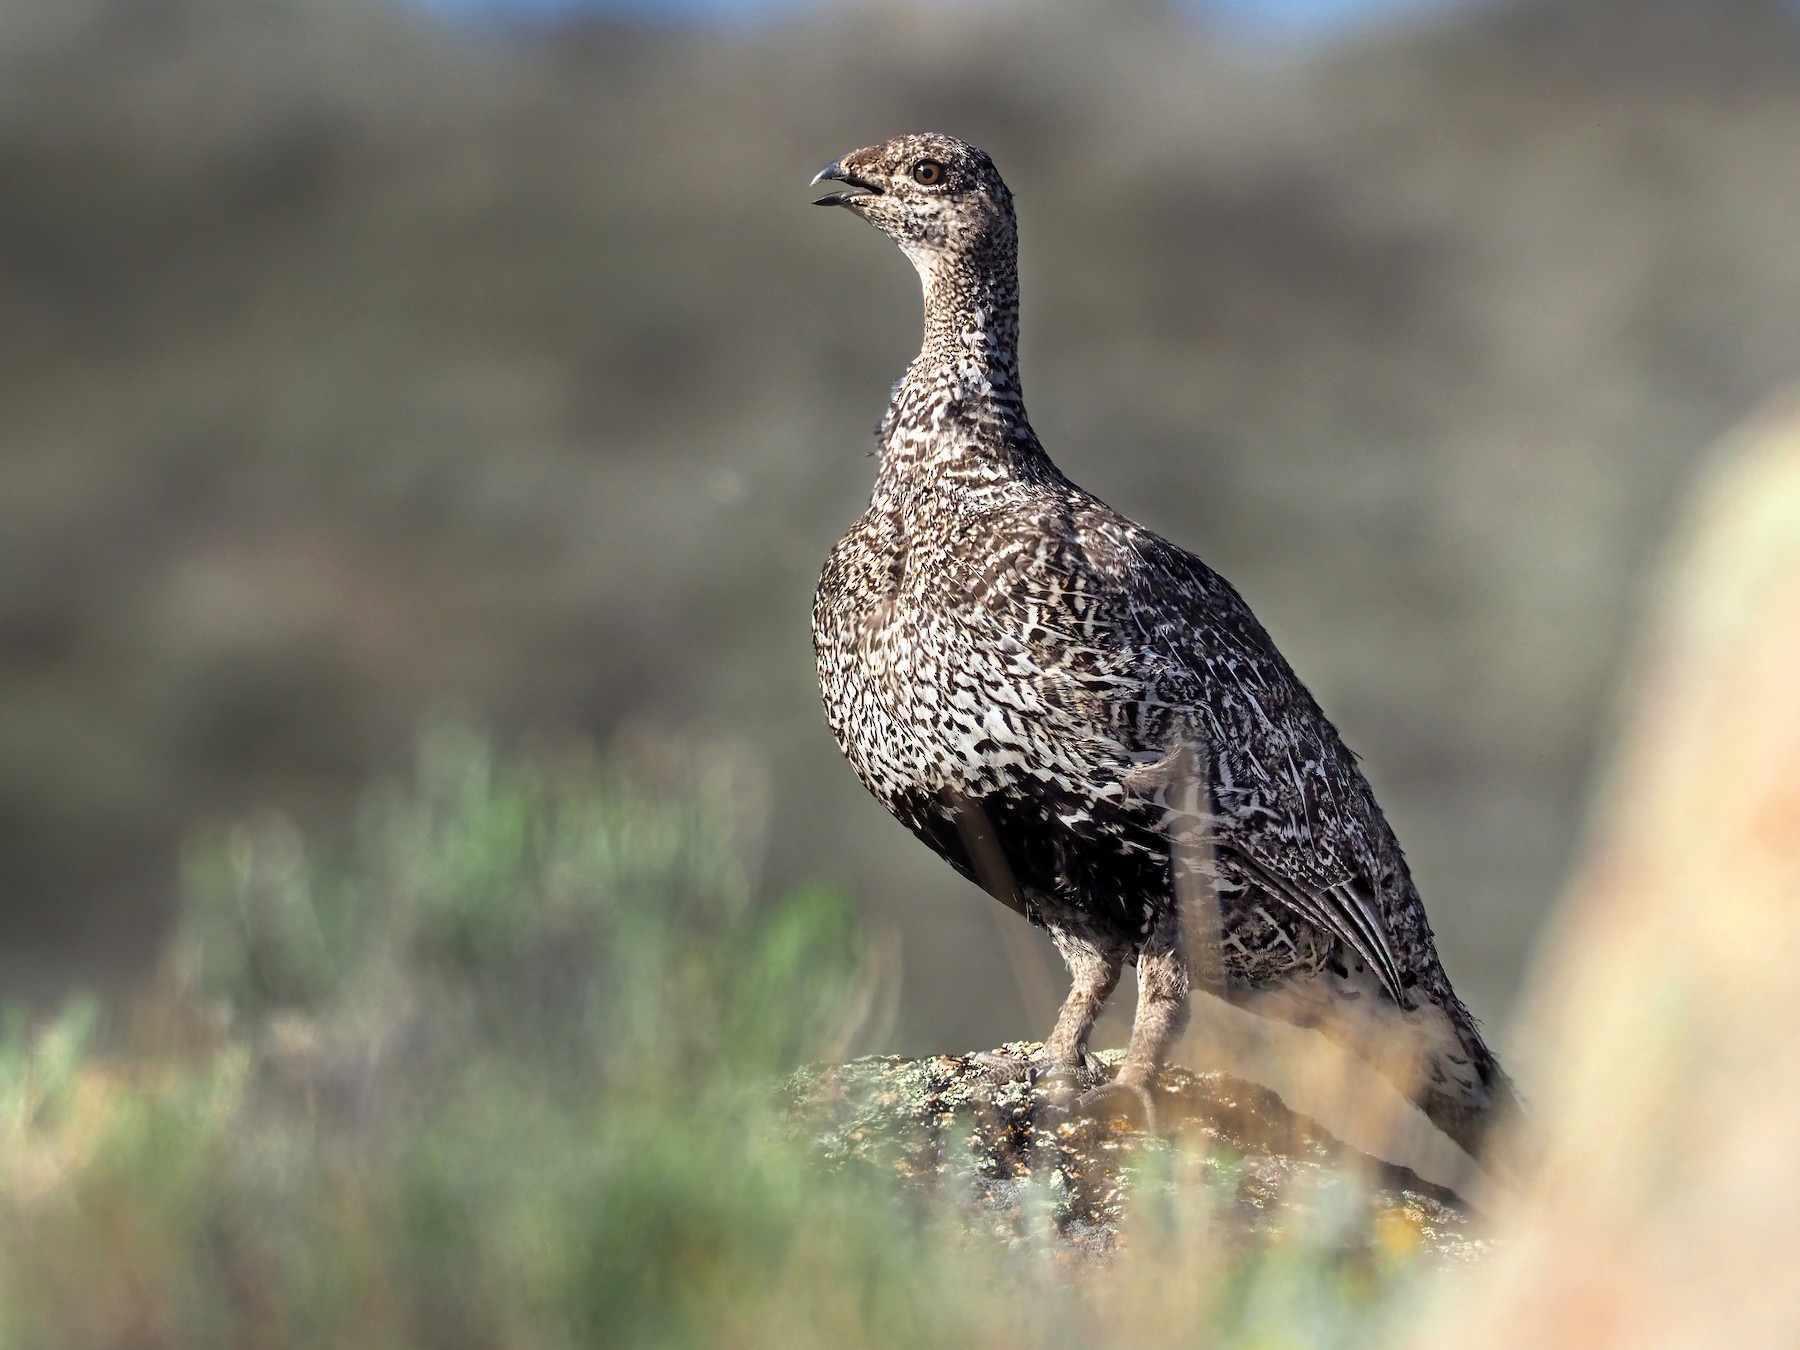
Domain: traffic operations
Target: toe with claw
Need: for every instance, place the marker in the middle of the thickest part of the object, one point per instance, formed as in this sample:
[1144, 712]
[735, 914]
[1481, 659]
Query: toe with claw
[1119, 1101]
[1063, 1082]
[998, 1067]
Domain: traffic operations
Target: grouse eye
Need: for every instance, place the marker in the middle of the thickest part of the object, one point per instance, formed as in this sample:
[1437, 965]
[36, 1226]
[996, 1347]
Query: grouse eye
[928, 173]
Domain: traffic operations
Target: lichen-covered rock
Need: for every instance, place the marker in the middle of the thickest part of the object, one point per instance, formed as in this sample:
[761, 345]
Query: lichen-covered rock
[1012, 1162]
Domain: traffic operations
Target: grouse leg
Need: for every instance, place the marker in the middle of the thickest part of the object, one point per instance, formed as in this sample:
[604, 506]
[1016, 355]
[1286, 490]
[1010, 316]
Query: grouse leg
[1162, 1014]
[1093, 975]
[1066, 1064]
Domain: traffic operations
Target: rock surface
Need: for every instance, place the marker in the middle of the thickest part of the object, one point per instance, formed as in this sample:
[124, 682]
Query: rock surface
[1010, 1159]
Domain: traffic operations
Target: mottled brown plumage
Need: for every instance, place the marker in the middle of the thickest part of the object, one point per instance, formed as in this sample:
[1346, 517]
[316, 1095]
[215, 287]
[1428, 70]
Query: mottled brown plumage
[1087, 720]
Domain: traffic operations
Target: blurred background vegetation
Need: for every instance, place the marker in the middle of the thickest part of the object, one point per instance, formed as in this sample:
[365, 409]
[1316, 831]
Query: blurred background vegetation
[357, 361]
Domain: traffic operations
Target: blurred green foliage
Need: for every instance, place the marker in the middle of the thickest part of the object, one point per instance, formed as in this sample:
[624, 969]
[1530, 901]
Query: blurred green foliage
[503, 1073]
[562, 909]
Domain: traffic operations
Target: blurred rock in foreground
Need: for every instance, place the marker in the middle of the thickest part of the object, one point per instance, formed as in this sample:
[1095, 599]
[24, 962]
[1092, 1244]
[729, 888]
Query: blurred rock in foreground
[1015, 1167]
[1667, 1209]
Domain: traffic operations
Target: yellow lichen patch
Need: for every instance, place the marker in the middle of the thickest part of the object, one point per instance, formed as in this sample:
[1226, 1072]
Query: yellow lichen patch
[1398, 1233]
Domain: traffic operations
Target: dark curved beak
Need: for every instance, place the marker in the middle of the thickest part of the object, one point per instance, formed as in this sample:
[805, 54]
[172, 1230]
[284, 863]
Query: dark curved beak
[835, 172]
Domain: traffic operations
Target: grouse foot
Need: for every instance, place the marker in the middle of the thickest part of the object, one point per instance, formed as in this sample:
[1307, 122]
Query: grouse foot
[1056, 1080]
[997, 1067]
[1061, 1084]
[1116, 1101]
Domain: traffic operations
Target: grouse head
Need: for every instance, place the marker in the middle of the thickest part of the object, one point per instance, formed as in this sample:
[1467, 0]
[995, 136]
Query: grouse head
[939, 198]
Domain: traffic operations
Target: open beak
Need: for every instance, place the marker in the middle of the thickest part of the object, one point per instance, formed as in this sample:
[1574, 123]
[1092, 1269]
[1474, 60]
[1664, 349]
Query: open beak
[836, 172]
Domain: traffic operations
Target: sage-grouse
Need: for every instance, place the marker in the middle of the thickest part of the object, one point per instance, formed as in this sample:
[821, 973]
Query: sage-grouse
[1089, 722]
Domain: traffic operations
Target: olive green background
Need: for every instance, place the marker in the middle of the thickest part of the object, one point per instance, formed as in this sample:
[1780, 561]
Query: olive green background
[354, 368]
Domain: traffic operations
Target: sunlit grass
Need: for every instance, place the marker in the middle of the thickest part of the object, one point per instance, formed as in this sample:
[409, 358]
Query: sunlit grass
[503, 1071]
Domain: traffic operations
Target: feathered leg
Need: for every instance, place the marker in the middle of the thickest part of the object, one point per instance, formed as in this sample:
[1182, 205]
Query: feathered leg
[1066, 1065]
[1093, 975]
[1162, 1014]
